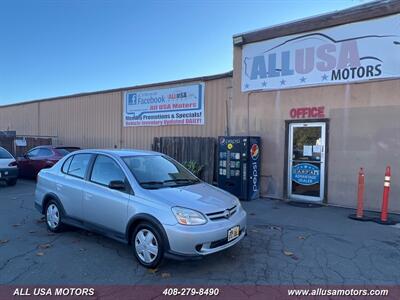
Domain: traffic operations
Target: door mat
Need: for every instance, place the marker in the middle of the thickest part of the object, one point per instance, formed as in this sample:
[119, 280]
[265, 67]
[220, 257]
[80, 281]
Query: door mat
[305, 204]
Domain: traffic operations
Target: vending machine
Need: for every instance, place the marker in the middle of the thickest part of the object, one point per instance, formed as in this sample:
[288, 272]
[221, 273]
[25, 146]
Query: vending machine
[239, 166]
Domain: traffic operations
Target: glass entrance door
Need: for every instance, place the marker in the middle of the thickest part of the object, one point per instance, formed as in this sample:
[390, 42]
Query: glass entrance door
[306, 161]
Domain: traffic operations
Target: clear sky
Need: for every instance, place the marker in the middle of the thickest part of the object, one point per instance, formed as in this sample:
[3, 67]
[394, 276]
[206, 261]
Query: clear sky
[53, 48]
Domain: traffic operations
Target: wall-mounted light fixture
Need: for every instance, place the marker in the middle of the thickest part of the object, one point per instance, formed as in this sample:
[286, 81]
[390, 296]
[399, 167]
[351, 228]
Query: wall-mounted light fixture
[238, 40]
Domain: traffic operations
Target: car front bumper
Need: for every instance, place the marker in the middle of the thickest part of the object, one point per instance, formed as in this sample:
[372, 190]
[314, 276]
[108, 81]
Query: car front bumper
[194, 241]
[8, 173]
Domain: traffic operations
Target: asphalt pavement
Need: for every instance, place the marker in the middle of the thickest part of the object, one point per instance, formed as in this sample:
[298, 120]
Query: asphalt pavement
[285, 245]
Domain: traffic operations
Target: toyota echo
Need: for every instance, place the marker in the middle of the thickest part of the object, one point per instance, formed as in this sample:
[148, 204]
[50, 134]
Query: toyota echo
[143, 198]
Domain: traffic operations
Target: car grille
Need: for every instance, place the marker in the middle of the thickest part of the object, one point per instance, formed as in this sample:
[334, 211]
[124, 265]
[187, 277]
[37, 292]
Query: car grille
[222, 214]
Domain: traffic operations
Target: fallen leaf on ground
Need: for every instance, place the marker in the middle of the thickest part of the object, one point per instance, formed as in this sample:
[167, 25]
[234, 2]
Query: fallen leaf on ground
[51, 233]
[288, 253]
[81, 249]
[153, 271]
[16, 225]
[165, 275]
[275, 227]
[254, 230]
[4, 242]
[300, 237]
[45, 246]
[40, 254]
[252, 214]
[294, 257]
[40, 221]
[32, 231]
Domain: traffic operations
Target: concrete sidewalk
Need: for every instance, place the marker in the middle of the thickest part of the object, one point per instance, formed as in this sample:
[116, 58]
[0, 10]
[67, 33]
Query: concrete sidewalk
[285, 245]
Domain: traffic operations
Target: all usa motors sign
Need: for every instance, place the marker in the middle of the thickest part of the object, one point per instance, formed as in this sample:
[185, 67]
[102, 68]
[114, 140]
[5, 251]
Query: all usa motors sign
[347, 53]
[182, 105]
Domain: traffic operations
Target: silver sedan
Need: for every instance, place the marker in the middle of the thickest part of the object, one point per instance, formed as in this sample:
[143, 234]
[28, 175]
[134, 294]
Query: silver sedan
[142, 198]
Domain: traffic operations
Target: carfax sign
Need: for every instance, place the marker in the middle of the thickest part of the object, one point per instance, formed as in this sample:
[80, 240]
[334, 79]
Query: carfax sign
[347, 53]
[305, 174]
[181, 105]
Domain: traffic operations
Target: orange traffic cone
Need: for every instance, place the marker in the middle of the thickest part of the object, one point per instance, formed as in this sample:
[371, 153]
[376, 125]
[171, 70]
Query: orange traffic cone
[359, 215]
[385, 201]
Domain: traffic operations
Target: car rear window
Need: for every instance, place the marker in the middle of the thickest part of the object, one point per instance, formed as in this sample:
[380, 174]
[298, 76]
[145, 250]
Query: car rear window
[66, 150]
[79, 165]
[4, 154]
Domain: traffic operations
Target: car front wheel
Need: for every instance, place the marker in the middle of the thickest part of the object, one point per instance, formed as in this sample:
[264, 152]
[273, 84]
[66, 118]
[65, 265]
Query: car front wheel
[148, 245]
[53, 217]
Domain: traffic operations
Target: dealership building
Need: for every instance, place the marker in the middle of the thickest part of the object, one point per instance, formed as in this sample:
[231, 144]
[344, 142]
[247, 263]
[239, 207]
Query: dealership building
[323, 93]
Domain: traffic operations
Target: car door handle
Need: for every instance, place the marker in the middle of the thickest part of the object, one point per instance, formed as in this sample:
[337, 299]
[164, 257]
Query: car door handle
[88, 196]
[59, 186]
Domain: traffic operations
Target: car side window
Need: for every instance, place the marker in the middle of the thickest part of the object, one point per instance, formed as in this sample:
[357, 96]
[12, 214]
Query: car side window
[79, 165]
[66, 165]
[105, 170]
[43, 152]
[33, 153]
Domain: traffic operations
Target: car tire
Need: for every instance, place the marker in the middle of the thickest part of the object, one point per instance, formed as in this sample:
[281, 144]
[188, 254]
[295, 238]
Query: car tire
[11, 182]
[53, 216]
[148, 245]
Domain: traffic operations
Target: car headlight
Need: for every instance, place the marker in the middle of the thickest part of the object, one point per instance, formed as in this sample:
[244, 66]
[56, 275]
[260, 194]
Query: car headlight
[186, 216]
[238, 204]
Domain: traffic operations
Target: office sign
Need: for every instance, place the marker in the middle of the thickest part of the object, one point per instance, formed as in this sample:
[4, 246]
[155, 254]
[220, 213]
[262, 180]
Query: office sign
[347, 53]
[181, 105]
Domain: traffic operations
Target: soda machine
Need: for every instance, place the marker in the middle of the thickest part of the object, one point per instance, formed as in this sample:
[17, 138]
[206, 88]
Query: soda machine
[239, 166]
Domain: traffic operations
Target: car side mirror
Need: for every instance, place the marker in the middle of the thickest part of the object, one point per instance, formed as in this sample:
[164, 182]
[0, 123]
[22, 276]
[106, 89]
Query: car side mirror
[26, 156]
[117, 185]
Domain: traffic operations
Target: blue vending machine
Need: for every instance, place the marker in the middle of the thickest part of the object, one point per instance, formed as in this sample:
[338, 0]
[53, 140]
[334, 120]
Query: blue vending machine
[239, 166]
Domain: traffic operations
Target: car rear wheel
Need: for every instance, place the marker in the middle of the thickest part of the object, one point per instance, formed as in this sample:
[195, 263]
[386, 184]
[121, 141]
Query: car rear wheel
[148, 245]
[12, 182]
[53, 217]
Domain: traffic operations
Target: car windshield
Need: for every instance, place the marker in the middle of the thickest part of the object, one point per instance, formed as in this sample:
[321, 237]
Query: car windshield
[157, 171]
[4, 154]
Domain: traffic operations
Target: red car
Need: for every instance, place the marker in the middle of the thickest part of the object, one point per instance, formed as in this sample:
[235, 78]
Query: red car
[41, 157]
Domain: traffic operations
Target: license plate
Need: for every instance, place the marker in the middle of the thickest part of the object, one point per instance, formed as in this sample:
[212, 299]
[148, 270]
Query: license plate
[233, 233]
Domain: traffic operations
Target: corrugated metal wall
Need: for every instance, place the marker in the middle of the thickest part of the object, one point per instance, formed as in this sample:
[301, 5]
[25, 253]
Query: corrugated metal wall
[86, 121]
[95, 120]
[22, 118]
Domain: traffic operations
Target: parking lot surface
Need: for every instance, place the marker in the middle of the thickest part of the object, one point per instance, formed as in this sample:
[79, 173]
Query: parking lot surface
[285, 245]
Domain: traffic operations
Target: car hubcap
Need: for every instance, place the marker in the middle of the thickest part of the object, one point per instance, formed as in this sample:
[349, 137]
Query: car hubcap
[53, 216]
[146, 245]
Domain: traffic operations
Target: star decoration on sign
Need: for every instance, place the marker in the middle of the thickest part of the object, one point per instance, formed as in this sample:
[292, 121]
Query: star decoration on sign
[283, 82]
[264, 83]
[303, 79]
[324, 77]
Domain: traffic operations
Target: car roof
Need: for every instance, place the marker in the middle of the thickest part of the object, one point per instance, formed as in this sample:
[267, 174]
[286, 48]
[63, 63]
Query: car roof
[55, 147]
[119, 152]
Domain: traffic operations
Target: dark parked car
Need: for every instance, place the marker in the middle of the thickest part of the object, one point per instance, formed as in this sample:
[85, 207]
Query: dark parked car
[41, 157]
